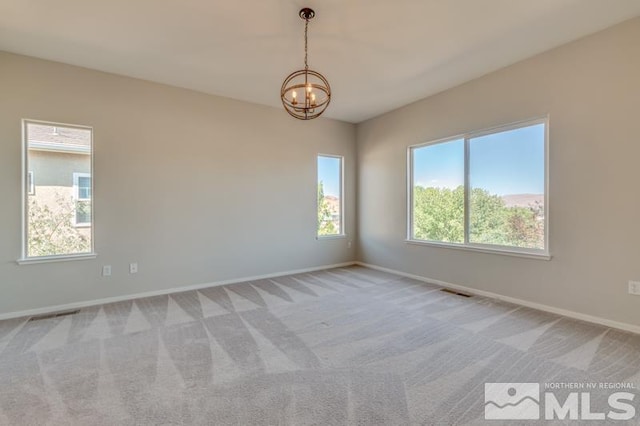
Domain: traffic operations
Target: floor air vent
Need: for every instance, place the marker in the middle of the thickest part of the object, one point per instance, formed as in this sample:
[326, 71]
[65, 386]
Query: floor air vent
[55, 315]
[457, 293]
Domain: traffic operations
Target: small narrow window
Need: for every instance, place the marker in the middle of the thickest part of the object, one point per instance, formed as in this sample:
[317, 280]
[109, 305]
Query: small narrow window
[58, 207]
[330, 201]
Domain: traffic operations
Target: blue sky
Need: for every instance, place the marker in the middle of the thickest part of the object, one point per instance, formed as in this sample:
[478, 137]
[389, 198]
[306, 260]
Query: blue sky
[329, 174]
[510, 162]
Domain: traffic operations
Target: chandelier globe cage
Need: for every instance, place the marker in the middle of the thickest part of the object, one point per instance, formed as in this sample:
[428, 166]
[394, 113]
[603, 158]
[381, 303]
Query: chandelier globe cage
[305, 93]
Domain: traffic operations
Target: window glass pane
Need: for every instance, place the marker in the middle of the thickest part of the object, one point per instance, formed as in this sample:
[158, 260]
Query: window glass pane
[56, 154]
[84, 187]
[83, 213]
[507, 179]
[329, 195]
[438, 192]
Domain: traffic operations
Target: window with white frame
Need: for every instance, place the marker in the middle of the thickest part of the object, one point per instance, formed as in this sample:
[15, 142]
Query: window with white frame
[58, 207]
[82, 197]
[330, 199]
[482, 190]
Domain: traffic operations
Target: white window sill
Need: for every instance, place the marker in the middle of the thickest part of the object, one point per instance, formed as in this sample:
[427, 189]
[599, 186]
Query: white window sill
[61, 258]
[479, 249]
[330, 237]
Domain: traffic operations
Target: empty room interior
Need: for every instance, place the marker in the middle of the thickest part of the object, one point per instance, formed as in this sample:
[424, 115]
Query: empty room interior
[319, 212]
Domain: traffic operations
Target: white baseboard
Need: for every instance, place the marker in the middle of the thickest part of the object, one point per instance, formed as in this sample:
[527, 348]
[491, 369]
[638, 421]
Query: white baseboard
[88, 303]
[559, 311]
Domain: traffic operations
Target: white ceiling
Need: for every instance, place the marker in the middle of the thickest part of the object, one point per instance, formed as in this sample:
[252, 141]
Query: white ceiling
[377, 54]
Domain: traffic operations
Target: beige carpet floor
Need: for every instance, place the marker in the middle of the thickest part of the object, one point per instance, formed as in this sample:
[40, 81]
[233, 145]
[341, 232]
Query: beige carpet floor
[347, 346]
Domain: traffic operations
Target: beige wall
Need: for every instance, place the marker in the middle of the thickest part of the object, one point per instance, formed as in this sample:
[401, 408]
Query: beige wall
[53, 175]
[591, 90]
[195, 188]
[57, 168]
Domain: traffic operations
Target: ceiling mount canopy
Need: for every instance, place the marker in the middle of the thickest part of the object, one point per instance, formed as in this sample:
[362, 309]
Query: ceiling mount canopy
[305, 93]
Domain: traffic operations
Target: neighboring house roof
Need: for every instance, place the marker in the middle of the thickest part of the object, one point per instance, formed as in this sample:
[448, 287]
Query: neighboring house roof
[45, 137]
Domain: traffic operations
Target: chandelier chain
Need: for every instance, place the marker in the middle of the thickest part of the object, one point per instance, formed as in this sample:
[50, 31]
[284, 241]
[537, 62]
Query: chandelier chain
[306, 29]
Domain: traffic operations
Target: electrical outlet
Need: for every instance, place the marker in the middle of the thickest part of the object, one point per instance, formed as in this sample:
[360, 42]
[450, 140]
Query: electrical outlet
[106, 271]
[634, 287]
[349, 244]
[133, 268]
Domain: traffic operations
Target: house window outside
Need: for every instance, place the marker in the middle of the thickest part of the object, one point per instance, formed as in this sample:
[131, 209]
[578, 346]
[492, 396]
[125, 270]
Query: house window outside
[330, 196]
[484, 190]
[31, 186]
[82, 198]
[58, 207]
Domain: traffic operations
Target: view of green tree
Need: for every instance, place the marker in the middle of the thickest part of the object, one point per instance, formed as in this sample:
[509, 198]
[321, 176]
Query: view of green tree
[525, 226]
[488, 218]
[51, 232]
[438, 215]
[326, 225]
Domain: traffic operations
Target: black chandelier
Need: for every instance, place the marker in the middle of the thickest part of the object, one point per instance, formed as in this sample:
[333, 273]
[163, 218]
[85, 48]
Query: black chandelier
[305, 93]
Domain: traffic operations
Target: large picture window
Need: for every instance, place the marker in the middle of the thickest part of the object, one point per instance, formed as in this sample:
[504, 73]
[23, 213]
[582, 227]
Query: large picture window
[484, 190]
[330, 202]
[58, 205]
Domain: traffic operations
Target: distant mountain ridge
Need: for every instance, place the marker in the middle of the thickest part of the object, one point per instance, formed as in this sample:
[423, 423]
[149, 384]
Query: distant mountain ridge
[522, 200]
[511, 200]
[333, 202]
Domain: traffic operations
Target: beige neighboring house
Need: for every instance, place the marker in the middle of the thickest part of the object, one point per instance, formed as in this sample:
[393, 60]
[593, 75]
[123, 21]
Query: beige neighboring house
[59, 171]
